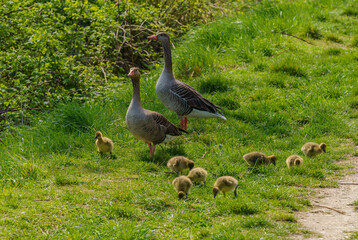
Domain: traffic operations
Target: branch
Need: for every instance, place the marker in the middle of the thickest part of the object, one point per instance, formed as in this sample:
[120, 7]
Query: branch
[323, 206]
[287, 34]
[18, 10]
[17, 109]
[280, 52]
[104, 73]
[348, 183]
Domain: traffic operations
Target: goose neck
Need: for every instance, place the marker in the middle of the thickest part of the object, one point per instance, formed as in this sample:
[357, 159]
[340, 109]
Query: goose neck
[136, 91]
[167, 57]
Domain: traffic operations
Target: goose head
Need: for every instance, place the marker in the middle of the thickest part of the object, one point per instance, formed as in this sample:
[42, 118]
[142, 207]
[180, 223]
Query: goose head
[215, 191]
[134, 73]
[191, 165]
[161, 37]
[98, 135]
[323, 147]
[272, 159]
[181, 195]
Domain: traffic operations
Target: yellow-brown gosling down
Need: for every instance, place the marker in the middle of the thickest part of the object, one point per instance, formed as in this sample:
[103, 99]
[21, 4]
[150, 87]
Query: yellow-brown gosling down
[257, 158]
[182, 185]
[294, 160]
[311, 149]
[197, 175]
[225, 184]
[103, 144]
[179, 163]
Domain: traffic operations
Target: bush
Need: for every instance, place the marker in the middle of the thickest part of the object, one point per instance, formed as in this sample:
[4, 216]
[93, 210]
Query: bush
[52, 51]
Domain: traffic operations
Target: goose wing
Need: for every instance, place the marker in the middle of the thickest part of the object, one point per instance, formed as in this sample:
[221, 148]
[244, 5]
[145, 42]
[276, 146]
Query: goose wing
[170, 128]
[193, 98]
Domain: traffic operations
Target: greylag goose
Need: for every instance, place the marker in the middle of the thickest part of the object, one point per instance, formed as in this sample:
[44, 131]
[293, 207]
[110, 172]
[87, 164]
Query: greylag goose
[103, 144]
[257, 158]
[225, 184]
[179, 97]
[294, 160]
[198, 174]
[182, 185]
[311, 149]
[179, 163]
[151, 127]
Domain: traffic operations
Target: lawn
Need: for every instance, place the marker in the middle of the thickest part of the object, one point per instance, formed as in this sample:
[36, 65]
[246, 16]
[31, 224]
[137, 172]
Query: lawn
[284, 73]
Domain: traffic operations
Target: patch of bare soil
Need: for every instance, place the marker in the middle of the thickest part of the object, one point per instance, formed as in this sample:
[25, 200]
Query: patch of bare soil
[333, 215]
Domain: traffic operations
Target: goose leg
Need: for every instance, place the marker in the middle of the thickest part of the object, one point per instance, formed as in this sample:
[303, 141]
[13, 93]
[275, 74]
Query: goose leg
[150, 149]
[153, 149]
[182, 123]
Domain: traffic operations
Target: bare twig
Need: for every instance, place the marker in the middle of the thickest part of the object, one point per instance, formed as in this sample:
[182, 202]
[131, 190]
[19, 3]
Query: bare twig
[42, 200]
[204, 154]
[323, 206]
[280, 52]
[130, 177]
[104, 74]
[18, 10]
[348, 183]
[17, 109]
[290, 35]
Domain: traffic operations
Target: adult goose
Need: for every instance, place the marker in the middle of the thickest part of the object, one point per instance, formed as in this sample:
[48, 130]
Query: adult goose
[179, 97]
[151, 127]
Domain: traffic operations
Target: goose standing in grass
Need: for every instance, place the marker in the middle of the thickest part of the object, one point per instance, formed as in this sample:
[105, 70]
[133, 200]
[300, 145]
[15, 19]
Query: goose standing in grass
[179, 97]
[312, 149]
[182, 185]
[151, 127]
[225, 184]
[179, 163]
[197, 175]
[294, 160]
[257, 158]
[103, 144]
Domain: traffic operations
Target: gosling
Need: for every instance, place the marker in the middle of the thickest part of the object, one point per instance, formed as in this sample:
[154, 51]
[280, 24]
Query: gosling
[294, 160]
[225, 184]
[311, 149]
[104, 144]
[257, 158]
[179, 163]
[197, 175]
[182, 185]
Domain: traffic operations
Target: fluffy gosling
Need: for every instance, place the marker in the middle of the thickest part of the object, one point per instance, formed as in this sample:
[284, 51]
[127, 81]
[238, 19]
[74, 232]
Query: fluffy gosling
[103, 144]
[179, 163]
[311, 149]
[257, 158]
[225, 184]
[182, 185]
[294, 160]
[197, 175]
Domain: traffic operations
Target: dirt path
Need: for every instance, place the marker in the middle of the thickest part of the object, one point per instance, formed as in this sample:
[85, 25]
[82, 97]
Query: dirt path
[338, 222]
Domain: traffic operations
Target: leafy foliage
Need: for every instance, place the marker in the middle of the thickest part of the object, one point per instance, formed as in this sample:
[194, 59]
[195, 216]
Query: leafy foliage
[57, 50]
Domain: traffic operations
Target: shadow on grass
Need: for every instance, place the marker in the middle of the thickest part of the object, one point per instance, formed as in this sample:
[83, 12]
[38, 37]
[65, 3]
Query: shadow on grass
[162, 154]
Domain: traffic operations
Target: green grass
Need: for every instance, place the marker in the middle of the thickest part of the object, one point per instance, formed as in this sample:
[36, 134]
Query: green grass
[277, 91]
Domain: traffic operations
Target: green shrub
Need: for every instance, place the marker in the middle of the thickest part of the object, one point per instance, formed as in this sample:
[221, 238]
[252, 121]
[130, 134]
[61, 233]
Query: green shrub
[53, 51]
